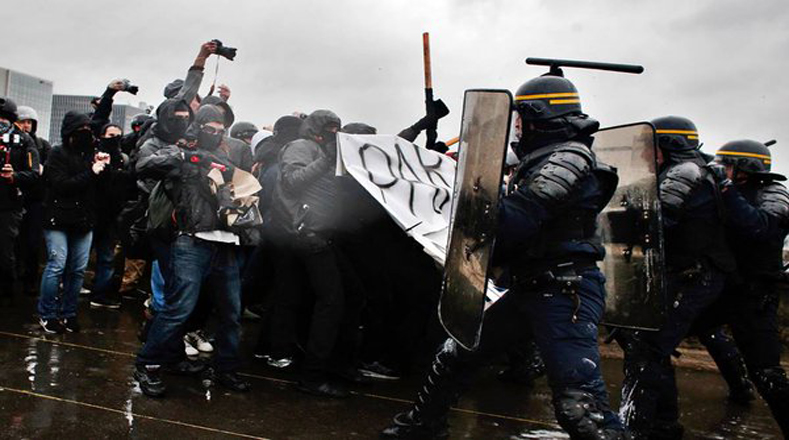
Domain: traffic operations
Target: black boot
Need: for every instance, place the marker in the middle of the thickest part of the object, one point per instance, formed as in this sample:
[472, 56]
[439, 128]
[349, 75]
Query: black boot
[730, 364]
[427, 419]
[774, 388]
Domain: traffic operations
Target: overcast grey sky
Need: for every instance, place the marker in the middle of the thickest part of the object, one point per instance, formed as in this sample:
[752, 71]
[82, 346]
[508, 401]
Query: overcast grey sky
[721, 63]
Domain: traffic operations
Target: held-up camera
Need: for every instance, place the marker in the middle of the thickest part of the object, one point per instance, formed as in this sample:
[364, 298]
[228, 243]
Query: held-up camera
[7, 140]
[224, 51]
[129, 87]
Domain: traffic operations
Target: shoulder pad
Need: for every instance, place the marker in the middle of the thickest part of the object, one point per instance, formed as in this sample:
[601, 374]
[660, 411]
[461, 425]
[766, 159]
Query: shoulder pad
[561, 173]
[774, 200]
[679, 183]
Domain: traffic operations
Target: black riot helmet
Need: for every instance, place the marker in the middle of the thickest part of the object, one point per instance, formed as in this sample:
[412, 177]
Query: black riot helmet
[747, 156]
[547, 97]
[676, 134]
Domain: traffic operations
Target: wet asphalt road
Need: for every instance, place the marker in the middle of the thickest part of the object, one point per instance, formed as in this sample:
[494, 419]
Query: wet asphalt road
[79, 386]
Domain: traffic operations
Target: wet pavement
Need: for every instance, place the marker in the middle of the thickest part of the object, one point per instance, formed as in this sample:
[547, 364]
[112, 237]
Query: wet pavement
[80, 386]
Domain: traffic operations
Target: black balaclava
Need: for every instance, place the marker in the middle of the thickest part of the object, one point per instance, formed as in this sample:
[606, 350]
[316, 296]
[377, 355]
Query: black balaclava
[206, 114]
[75, 132]
[168, 127]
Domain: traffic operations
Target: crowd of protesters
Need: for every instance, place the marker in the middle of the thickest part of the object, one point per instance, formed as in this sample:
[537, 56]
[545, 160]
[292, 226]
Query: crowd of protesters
[341, 294]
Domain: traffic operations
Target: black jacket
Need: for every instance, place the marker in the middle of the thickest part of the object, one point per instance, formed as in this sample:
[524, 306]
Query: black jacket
[70, 202]
[184, 172]
[307, 200]
[20, 151]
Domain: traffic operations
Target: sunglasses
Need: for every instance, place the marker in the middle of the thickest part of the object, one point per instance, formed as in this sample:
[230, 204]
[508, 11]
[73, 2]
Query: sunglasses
[207, 129]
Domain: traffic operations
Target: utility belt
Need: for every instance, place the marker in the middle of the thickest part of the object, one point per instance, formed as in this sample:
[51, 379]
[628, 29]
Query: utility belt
[567, 276]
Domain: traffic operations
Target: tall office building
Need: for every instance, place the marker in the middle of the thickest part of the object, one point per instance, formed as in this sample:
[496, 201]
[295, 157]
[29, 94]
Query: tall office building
[31, 91]
[122, 114]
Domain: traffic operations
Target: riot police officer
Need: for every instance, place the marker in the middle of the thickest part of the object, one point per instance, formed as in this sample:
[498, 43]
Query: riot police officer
[757, 214]
[547, 241]
[697, 260]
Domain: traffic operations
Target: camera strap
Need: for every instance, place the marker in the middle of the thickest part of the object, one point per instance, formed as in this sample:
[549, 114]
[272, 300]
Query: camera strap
[216, 75]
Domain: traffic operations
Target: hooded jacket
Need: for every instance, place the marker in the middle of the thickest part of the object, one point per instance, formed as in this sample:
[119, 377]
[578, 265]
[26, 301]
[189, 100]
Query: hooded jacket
[184, 173]
[307, 197]
[162, 136]
[70, 202]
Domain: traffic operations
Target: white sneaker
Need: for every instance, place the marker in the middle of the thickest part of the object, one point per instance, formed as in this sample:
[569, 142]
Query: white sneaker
[199, 341]
[189, 348]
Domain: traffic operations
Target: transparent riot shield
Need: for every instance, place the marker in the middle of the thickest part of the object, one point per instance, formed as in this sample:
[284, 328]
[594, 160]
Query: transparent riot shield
[630, 228]
[483, 144]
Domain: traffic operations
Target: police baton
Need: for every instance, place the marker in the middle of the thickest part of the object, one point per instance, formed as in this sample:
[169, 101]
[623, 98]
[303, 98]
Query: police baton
[557, 64]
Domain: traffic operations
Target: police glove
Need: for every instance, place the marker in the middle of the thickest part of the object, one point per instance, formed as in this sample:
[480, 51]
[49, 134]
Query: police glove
[718, 172]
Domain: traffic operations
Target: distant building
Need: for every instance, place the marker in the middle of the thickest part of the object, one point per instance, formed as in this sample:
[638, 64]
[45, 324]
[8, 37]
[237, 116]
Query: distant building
[122, 114]
[31, 91]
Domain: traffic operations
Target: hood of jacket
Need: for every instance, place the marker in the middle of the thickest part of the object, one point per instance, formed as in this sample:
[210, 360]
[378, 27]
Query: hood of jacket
[219, 102]
[72, 122]
[316, 123]
[164, 114]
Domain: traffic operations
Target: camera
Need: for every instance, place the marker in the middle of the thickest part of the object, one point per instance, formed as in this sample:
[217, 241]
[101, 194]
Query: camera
[129, 87]
[224, 51]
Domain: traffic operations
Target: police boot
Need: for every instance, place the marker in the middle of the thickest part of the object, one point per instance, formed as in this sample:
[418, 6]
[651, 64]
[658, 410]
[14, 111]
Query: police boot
[730, 364]
[579, 414]
[774, 388]
[427, 419]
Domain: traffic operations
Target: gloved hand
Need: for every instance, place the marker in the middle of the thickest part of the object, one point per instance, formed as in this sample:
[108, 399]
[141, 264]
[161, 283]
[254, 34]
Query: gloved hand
[435, 111]
[719, 174]
[331, 152]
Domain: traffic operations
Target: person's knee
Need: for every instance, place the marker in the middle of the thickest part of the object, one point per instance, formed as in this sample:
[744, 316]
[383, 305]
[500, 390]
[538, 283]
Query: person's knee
[56, 261]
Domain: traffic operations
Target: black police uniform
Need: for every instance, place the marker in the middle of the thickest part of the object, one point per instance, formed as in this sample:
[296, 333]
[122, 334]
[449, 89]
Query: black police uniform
[547, 242]
[697, 261]
[757, 212]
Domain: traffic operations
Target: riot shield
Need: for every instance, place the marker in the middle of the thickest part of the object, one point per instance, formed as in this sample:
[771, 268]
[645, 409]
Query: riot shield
[631, 229]
[484, 134]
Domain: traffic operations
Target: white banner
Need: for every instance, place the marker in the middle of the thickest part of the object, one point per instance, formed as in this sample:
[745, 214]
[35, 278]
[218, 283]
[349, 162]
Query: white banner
[413, 183]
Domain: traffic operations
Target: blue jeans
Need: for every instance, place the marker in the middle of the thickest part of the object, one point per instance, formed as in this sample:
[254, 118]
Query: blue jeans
[67, 258]
[157, 287]
[104, 244]
[192, 263]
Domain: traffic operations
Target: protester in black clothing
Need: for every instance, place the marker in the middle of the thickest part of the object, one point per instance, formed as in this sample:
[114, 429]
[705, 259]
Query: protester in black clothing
[31, 232]
[111, 197]
[306, 209]
[204, 251]
[73, 172]
[129, 140]
[19, 171]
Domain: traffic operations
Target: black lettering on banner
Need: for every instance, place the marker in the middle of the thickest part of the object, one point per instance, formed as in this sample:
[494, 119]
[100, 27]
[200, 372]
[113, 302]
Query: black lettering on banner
[440, 195]
[382, 186]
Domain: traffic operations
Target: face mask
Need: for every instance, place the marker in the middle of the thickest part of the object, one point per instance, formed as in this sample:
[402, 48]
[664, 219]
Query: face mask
[177, 126]
[82, 140]
[110, 144]
[4, 126]
[209, 141]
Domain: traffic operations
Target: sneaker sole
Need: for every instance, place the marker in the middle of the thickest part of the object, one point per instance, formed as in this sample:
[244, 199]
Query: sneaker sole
[375, 375]
[105, 306]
